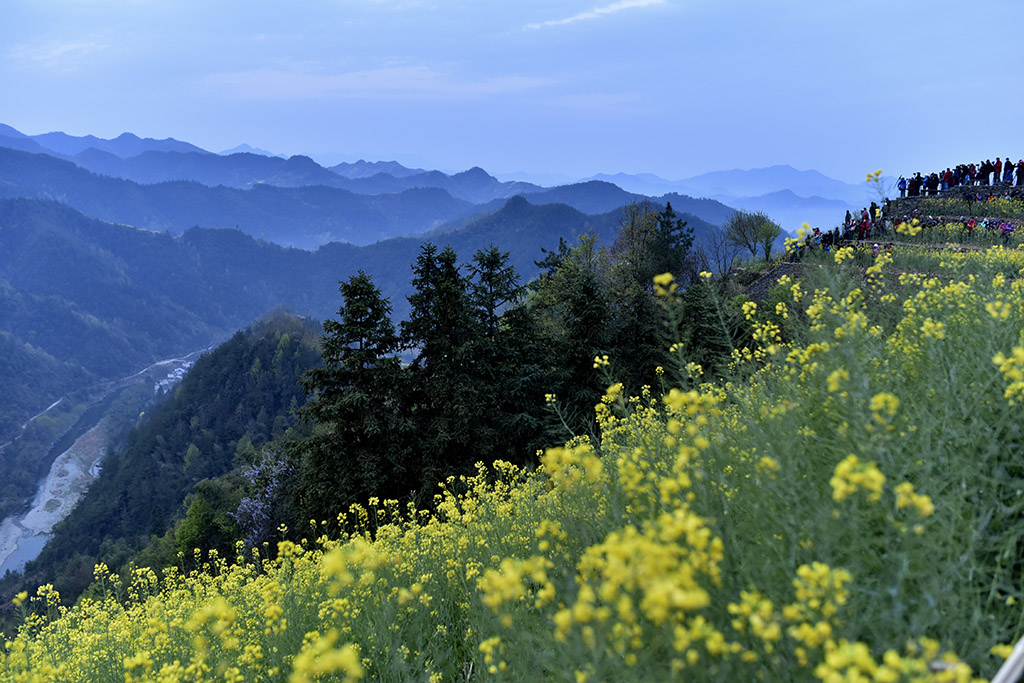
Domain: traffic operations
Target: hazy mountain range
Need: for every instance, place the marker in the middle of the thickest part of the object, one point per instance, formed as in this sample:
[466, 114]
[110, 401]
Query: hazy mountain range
[161, 247]
[293, 202]
[788, 195]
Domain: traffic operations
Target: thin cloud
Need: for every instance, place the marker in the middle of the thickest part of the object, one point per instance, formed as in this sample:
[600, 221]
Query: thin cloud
[418, 81]
[64, 54]
[597, 12]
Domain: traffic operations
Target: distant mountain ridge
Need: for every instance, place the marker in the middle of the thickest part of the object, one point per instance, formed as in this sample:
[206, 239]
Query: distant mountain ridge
[306, 216]
[788, 195]
[358, 202]
[124, 145]
[745, 183]
[148, 161]
[367, 169]
[249, 149]
[806, 195]
[301, 215]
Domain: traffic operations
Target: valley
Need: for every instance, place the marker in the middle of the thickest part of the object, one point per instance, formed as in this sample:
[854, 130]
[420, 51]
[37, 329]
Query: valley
[23, 537]
[24, 534]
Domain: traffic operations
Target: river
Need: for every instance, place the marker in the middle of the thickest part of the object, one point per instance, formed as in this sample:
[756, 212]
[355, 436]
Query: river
[23, 536]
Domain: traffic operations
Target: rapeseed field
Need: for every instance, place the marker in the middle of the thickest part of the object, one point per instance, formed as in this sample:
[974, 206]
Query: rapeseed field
[847, 507]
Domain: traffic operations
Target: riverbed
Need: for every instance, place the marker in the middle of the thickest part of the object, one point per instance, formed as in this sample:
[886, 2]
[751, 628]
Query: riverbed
[22, 538]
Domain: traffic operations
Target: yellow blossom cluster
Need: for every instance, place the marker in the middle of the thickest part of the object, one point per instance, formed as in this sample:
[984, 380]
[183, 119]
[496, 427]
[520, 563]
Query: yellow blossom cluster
[851, 475]
[906, 497]
[1012, 367]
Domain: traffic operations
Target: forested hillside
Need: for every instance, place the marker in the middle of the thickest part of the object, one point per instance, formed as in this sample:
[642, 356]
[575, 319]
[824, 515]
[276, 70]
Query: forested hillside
[86, 300]
[172, 465]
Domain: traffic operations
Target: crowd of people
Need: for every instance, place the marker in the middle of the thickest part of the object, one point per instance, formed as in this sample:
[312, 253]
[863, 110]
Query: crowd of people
[872, 224]
[986, 173]
[1001, 179]
[869, 223]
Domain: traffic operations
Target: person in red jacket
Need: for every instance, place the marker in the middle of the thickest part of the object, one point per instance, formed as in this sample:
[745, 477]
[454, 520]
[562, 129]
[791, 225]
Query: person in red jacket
[998, 178]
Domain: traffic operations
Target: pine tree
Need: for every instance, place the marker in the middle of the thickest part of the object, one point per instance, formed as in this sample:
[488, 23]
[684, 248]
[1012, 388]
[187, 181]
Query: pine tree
[446, 380]
[574, 314]
[508, 359]
[357, 448]
[495, 285]
[672, 245]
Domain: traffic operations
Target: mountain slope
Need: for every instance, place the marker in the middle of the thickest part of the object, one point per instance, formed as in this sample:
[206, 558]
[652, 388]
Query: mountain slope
[302, 216]
[234, 398]
[89, 300]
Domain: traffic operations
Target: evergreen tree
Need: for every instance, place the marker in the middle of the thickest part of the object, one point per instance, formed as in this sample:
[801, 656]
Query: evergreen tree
[357, 448]
[640, 252]
[639, 341]
[552, 258]
[446, 378]
[508, 359]
[709, 329]
[495, 285]
[573, 310]
[672, 245]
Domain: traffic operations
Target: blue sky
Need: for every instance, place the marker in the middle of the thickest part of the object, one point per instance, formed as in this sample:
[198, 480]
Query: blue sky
[578, 87]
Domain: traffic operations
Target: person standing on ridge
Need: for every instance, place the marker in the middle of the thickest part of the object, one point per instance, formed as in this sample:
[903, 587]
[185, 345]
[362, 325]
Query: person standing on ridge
[998, 168]
[901, 184]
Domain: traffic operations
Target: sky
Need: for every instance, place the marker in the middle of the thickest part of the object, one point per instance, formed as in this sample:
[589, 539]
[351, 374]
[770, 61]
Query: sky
[572, 87]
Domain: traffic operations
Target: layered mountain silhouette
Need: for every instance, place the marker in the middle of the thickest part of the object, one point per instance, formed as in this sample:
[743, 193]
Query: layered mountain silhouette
[790, 196]
[124, 145]
[306, 216]
[171, 160]
[295, 203]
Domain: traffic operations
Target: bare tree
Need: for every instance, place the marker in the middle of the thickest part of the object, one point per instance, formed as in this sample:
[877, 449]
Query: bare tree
[750, 230]
[718, 253]
[741, 232]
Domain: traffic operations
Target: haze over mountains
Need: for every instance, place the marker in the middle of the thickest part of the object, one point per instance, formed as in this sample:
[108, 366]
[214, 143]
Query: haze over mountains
[789, 195]
[162, 247]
